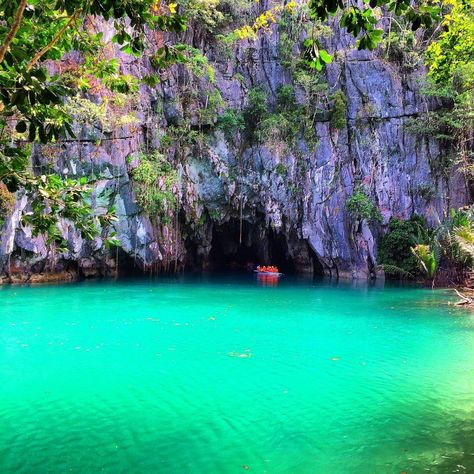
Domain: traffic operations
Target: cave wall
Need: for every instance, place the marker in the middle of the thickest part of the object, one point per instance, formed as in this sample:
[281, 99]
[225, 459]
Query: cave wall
[226, 180]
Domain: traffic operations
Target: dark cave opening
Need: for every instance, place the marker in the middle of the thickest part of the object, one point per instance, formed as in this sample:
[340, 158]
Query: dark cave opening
[127, 265]
[228, 253]
[258, 246]
[278, 254]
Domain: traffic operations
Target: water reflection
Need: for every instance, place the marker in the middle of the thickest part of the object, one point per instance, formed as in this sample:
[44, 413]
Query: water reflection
[267, 279]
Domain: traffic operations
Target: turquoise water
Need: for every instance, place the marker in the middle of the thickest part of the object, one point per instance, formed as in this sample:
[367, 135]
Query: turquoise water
[219, 376]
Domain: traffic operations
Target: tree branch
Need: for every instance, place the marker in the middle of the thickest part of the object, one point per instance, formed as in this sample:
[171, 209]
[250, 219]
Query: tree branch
[56, 37]
[13, 30]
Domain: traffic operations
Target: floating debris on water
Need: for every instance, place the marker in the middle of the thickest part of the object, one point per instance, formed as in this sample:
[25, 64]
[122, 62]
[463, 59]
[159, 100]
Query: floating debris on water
[241, 355]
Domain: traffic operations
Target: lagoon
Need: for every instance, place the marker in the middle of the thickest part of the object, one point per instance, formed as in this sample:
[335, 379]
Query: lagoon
[228, 374]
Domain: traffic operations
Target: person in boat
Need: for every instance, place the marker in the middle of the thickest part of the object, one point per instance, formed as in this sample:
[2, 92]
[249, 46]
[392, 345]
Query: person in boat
[267, 269]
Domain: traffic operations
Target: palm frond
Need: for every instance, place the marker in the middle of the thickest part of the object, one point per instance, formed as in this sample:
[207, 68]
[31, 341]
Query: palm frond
[394, 270]
[464, 237]
[426, 258]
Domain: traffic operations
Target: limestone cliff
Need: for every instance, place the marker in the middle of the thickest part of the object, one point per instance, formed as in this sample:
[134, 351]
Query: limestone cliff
[240, 200]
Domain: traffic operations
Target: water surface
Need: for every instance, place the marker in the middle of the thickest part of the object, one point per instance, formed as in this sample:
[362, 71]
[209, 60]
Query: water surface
[225, 376]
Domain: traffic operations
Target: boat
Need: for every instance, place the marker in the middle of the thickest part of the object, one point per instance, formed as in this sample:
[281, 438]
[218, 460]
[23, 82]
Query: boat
[267, 270]
[268, 273]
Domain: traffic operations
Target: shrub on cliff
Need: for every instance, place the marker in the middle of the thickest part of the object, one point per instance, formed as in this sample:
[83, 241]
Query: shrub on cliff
[255, 112]
[154, 180]
[230, 122]
[361, 206]
[395, 246]
[339, 110]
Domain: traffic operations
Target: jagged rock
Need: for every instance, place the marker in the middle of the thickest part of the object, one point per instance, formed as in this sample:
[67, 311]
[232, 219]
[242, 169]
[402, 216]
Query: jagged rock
[299, 215]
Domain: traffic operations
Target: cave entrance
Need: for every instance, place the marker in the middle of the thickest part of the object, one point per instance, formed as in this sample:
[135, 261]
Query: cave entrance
[258, 247]
[278, 254]
[228, 253]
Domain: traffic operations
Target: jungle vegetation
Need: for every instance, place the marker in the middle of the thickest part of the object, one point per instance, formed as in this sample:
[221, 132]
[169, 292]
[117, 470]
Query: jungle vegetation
[40, 103]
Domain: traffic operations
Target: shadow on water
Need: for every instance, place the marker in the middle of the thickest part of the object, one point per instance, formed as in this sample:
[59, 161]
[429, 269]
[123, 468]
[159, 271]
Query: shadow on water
[458, 439]
[235, 277]
[462, 457]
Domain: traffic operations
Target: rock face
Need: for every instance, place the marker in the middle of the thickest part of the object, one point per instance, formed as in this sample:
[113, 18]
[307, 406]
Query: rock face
[242, 202]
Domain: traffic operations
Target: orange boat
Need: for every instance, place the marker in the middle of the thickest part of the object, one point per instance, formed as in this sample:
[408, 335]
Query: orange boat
[268, 270]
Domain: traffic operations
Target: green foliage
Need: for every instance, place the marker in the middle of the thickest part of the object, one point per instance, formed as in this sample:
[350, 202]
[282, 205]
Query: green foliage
[451, 78]
[451, 125]
[86, 112]
[281, 169]
[453, 51]
[197, 94]
[464, 236]
[426, 258]
[360, 206]
[314, 103]
[283, 126]
[286, 46]
[314, 55]
[204, 12]
[442, 125]
[276, 129]
[294, 189]
[313, 84]
[395, 246]
[255, 112]
[256, 107]
[286, 99]
[339, 110]
[181, 53]
[293, 24]
[154, 182]
[182, 135]
[412, 247]
[236, 10]
[214, 214]
[7, 203]
[43, 33]
[451, 238]
[215, 14]
[54, 198]
[32, 101]
[231, 122]
[402, 45]
[426, 191]
[356, 21]
[208, 114]
[360, 21]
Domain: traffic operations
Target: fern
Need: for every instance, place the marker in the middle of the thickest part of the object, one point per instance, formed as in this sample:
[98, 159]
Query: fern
[394, 270]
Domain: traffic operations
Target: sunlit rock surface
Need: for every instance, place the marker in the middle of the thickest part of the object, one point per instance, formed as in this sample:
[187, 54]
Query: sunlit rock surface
[234, 208]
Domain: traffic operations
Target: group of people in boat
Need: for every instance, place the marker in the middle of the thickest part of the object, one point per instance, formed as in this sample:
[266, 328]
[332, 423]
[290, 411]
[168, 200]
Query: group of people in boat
[267, 269]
